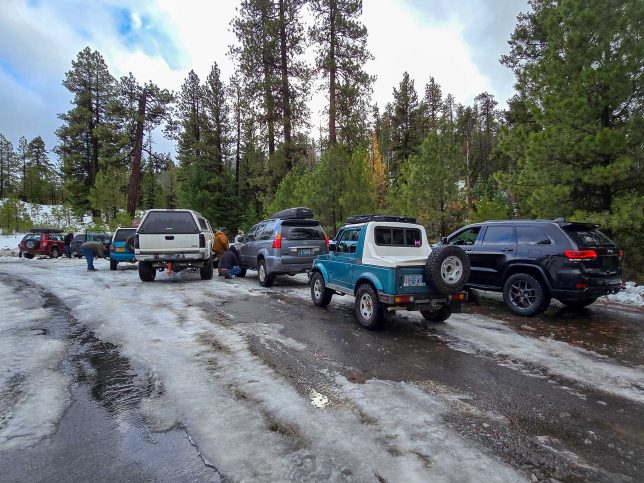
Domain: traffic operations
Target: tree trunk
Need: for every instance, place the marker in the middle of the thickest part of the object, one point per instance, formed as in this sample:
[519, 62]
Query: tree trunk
[286, 101]
[268, 94]
[332, 77]
[135, 171]
[238, 143]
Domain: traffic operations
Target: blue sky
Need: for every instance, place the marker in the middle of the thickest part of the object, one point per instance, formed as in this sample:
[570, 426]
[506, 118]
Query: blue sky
[459, 43]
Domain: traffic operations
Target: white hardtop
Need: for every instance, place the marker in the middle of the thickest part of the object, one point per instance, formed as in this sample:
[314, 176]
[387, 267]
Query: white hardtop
[393, 256]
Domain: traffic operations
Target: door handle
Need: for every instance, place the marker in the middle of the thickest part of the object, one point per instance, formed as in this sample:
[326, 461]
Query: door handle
[169, 237]
[508, 250]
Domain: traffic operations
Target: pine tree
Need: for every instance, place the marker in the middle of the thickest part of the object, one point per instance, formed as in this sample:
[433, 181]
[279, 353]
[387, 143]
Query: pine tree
[216, 111]
[378, 171]
[341, 45]
[405, 122]
[579, 72]
[432, 106]
[8, 168]
[79, 148]
[38, 172]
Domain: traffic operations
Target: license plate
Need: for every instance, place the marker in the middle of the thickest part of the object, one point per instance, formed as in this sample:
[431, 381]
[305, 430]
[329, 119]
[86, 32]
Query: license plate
[413, 281]
[305, 251]
[120, 249]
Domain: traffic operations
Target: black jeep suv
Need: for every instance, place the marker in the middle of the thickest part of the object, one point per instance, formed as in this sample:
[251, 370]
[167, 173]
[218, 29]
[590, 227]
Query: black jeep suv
[533, 261]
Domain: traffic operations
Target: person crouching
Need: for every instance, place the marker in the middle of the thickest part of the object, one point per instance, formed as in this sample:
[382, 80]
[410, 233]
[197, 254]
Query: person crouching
[229, 263]
[92, 250]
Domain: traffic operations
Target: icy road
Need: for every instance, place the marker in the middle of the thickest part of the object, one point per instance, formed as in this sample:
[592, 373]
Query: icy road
[103, 377]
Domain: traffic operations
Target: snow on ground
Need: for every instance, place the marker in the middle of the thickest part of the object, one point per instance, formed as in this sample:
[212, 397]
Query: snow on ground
[33, 393]
[210, 381]
[633, 294]
[9, 243]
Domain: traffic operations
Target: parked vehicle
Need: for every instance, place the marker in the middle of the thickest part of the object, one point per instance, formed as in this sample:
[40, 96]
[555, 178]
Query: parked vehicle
[286, 243]
[173, 240]
[533, 261]
[387, 263]
[122, 247]
[90, 235]
[42, 241]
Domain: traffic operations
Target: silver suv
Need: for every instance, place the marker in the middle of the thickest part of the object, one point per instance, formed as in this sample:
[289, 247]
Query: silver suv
[286, 243]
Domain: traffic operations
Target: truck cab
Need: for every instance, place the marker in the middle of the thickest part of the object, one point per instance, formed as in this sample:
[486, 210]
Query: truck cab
[388, 264]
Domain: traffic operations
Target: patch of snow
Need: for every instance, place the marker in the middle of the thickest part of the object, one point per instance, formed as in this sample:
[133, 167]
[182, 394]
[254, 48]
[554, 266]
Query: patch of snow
[210, 381]
[33, 393]
[478, 333]
[632, 294]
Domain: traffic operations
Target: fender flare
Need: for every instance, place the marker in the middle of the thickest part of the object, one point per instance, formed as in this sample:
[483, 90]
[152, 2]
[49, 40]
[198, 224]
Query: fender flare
[368, 277]
[318, 267]
[530, 267]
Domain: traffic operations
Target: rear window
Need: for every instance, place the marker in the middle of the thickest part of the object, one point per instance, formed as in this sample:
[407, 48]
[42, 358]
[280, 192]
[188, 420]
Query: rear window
[32, 236]
[586, 237]
[398, 237]
[122, 235]
[302, 232]
[169, 222]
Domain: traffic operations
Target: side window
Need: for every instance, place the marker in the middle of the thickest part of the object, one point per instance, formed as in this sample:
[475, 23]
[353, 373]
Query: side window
[499, 235]
[532, 235]
[252, 233]
[348, 241]
[467, 237]
[203, 224]
[266, 231]
[398, 237]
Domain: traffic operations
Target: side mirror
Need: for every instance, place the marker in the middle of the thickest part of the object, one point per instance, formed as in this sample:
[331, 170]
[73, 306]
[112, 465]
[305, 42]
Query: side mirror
[444, 240]
[332, 246]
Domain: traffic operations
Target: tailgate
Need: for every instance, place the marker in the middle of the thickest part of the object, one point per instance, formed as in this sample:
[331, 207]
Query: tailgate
[411, 281]
[588, 238]
[175, 243]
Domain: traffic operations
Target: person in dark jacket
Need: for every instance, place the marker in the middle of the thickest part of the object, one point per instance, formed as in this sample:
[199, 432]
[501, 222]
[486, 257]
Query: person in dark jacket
[68, 244]
[92, 250]
[229, 263]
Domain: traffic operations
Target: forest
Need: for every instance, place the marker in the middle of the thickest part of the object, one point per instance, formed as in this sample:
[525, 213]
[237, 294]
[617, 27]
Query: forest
[570, 142]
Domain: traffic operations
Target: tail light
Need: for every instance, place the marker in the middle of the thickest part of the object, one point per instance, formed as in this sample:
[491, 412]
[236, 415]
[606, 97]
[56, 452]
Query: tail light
[581, 286]
[403, 299]
[458, 297]
[621, 253]
[111, 248]
[136, 241]
[326, 240]
[202, 240]
[577, 255]
[277, 243]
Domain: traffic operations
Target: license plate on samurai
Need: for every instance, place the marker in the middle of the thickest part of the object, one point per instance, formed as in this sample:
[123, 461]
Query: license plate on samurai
[413, 281]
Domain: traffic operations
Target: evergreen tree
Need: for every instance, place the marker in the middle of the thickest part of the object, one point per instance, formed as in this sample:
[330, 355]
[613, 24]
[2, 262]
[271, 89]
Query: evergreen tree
[38, 172]
[341, 53]
[378, 172]
[579, 73]
[431, 106]
[79, 148]
[405, 122]
[22, 155]
[216, 111]
[8, 168]
[359, 193]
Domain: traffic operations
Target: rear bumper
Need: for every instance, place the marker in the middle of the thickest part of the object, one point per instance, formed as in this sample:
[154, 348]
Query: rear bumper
[275, 265]
[425, 302]
[586, 293]
[122, 257]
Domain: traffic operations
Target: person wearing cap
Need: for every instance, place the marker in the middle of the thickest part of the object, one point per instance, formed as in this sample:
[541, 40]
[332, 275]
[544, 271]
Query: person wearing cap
[229, 263]
[220, 243]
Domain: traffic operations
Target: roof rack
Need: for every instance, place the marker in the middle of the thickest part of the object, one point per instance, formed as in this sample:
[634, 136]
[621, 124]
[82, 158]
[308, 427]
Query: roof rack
[352, 220]
[45, 230]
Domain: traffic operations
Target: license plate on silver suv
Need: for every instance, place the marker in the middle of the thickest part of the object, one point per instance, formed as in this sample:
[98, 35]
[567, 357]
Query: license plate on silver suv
[413, 281]
[305, 251]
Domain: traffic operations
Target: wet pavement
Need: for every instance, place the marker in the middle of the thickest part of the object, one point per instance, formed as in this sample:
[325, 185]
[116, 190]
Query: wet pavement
[543, 425]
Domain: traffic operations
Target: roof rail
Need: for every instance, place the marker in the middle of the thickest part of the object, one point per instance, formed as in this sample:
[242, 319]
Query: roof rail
[352, 220]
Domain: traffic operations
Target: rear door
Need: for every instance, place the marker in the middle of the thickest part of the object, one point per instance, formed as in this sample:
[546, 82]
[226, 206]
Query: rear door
[120, 238]
[302, 241]
[169, 232]
[248, 249]
[497, 249]
[588, 237]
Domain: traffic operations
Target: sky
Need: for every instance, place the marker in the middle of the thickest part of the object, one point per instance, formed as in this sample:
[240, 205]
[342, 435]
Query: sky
[459, 43]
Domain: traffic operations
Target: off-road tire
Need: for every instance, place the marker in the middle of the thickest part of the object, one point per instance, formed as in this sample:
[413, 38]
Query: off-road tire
[320, 295]
[32, 244]
[578, 304]
[207, 270]
[146, 272]
[369, 311]
[525, 295]
[265, 279]
[447, 269]
[54, 253]
[113, 264]
[440, 315]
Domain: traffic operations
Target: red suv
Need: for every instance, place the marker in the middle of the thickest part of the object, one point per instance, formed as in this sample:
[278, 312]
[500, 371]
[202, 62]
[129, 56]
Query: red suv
[42, 241]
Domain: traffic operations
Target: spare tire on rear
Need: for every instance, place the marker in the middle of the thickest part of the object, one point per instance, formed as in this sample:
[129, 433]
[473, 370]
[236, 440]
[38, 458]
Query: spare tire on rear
[447, 269]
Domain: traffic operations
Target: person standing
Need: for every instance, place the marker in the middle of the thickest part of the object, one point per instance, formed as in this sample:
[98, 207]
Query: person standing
[92, 250]
[229, 263]
[68, 244]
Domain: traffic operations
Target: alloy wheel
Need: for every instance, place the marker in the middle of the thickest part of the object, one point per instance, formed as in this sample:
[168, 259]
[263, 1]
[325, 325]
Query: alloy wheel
[522, 294]
[366, 306]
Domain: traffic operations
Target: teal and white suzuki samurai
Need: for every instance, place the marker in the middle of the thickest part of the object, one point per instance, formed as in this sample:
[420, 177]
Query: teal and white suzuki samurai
[387, 263]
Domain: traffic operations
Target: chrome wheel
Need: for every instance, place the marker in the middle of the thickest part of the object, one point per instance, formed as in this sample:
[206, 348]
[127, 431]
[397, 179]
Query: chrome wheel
[522, 294]
[262, 272]
[451, 270]
[366, 306]
[317, 289]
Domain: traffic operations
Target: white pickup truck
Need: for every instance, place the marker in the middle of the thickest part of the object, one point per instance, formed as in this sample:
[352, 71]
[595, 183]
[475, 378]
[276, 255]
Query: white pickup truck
[173, 240]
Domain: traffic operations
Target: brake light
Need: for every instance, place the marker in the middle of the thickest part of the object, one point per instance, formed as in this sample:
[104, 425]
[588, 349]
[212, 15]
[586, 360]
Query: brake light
[277, 243]
[458, 297]
[202, 240]
[404, 299]
[621, 253]
[326, 240]
[111, 248]
[580, 286]
[577, 255]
